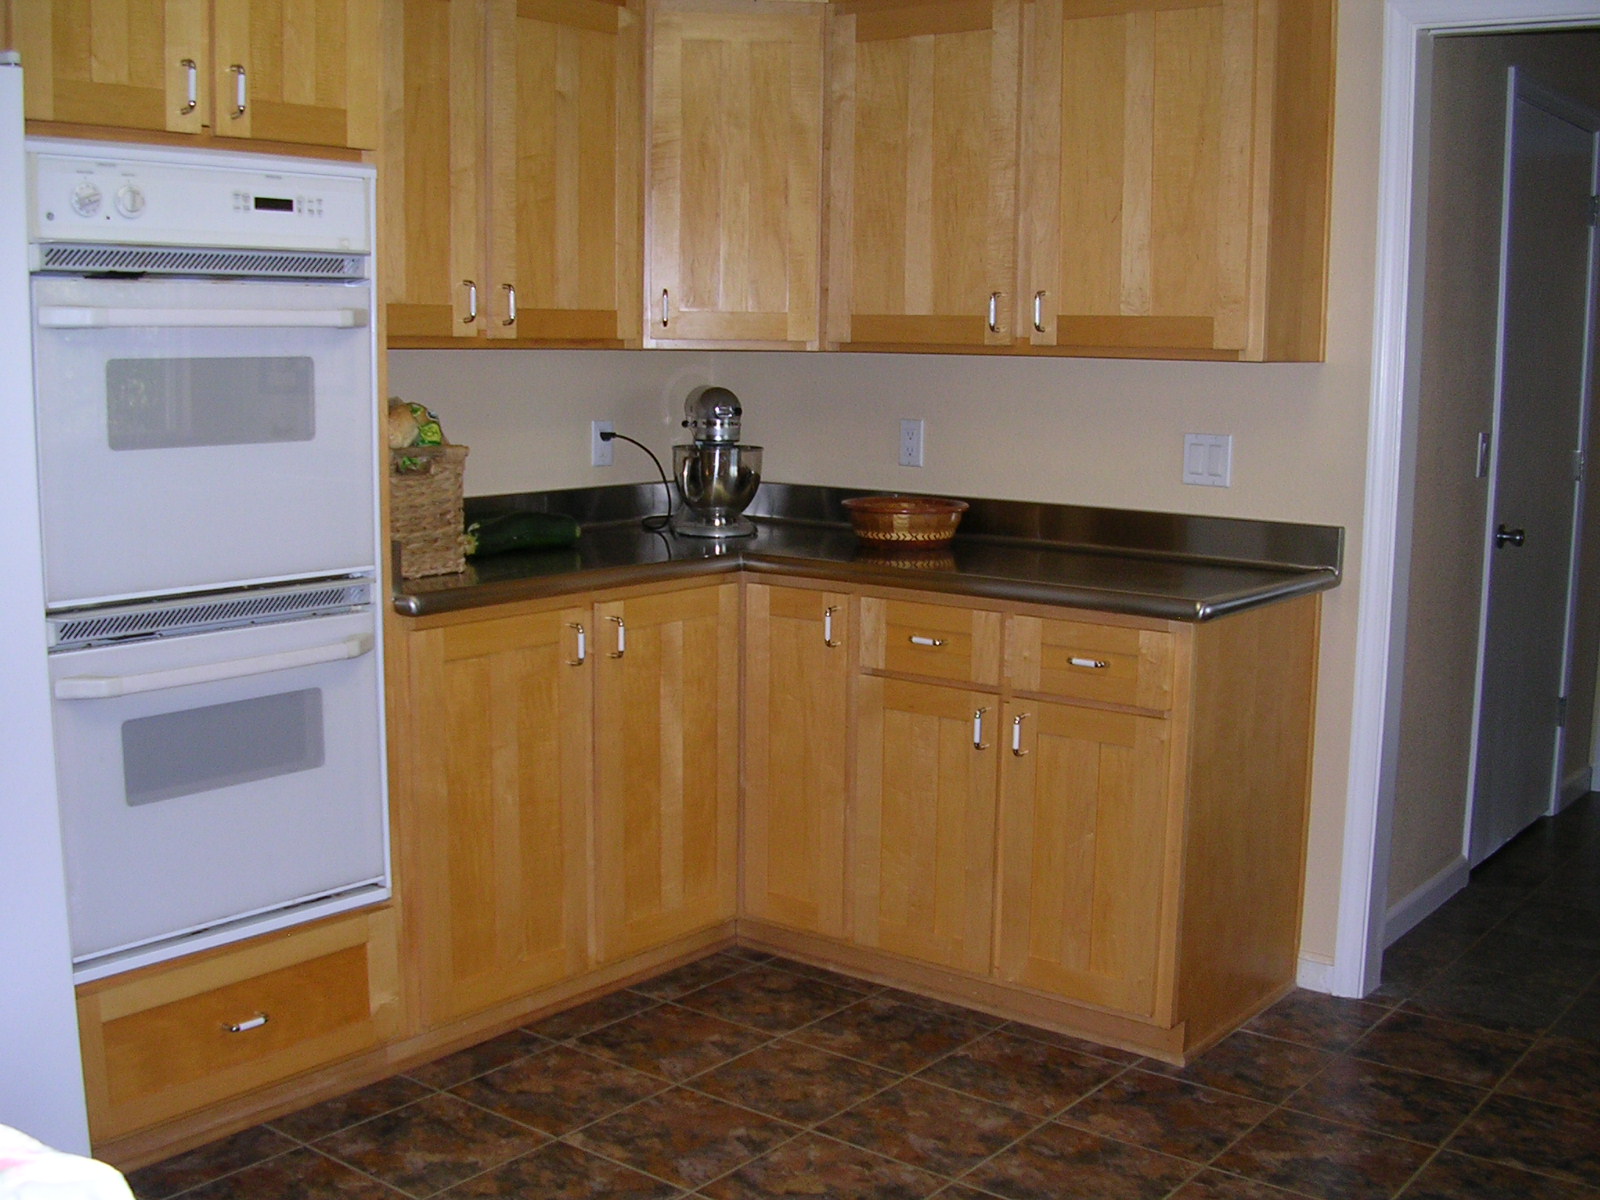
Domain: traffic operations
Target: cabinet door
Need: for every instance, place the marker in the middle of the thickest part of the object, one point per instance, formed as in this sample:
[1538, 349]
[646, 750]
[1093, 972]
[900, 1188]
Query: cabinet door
[564, 148]
[495, 823]
[924, 836]
[666, 765]
[305, 72]
[1139, 190]
[430, 187]
[797, 739]
[923, 172]
[127, 64]
[1087, 889]
[733, 191]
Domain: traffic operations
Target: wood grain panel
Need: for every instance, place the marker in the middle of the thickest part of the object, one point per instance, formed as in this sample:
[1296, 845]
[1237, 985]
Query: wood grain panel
[897, 633]
[1059, 658]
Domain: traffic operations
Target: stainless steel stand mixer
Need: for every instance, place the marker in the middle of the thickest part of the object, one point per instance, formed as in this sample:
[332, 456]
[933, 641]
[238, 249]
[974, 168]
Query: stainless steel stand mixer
[717, 476]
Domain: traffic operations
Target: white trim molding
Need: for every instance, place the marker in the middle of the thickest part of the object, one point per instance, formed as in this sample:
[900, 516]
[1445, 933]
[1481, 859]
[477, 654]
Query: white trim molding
[1406, 914]
[1358, 945]
[1315, 974]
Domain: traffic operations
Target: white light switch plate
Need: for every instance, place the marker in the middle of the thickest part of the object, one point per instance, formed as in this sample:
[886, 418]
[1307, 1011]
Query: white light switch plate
[1208, 459]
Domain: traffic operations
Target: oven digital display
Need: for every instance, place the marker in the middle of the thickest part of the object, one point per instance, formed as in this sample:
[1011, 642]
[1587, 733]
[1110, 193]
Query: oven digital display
[274, 204]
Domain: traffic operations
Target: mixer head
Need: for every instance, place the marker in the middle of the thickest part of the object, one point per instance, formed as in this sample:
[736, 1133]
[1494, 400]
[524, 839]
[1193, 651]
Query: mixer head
[712, 414]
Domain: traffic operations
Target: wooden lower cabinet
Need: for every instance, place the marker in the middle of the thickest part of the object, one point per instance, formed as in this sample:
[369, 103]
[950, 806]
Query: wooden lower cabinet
[175, 1038]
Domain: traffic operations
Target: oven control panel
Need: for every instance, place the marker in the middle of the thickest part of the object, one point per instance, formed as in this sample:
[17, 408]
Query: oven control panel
[108, 193]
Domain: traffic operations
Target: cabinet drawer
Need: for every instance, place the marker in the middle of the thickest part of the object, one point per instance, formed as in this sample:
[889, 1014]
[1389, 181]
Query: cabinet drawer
[171, 1041]
[1081, 660]
[937, 640]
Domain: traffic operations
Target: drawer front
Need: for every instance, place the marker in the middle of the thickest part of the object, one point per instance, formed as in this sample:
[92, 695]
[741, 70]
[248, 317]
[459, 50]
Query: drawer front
[939, 641]
[1081, 660]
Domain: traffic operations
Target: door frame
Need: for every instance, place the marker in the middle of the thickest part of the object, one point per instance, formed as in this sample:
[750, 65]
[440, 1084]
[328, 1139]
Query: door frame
[1386, 514]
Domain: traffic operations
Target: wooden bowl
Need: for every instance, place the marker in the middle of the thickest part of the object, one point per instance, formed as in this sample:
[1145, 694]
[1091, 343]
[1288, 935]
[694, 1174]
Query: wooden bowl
[920, 521]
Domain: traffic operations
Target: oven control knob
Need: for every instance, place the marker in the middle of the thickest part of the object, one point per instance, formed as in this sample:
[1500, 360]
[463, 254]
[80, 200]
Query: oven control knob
[86, 199]
[130, 200]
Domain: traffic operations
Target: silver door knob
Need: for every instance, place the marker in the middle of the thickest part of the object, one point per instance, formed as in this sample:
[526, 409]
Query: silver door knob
[1503, 535]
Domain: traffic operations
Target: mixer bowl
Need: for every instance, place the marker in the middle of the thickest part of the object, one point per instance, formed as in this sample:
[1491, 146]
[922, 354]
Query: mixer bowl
[717, 482]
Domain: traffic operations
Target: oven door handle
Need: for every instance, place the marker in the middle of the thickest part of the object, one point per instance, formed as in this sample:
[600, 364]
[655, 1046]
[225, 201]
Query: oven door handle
[77, 316]
[107, 687]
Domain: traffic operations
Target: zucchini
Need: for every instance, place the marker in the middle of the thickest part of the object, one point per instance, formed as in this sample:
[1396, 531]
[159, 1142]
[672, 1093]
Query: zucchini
[520, 531]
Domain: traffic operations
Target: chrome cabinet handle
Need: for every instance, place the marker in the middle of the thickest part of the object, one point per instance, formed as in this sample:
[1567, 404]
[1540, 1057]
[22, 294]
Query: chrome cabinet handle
[240, 90]
[1038, 312]
[472, 302]
[1016, 735]
[917, 639]
[511, 304]
[827, 627]
[663, 308]
[994, 312]
[192, 72]
[255, 1022]
[622, 638]
[1514, 536]
[977, 730]
[583, 647]
[1093, 664]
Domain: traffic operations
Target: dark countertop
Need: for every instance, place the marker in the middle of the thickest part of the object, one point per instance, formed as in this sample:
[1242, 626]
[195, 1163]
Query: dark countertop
[1144, 564]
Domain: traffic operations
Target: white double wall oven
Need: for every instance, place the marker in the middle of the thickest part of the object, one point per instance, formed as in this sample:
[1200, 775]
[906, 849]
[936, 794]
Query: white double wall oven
[205, 367]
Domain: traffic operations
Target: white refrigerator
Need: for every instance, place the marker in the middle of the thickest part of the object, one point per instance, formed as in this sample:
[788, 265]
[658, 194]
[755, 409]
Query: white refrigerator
[41, 1076]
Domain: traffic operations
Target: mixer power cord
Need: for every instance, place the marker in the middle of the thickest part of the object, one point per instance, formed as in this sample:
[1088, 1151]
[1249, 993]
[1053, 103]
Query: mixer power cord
[657, 522]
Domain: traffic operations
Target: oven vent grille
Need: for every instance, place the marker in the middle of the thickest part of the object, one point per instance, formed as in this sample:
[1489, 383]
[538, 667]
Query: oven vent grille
[75, 631]
[162, 260]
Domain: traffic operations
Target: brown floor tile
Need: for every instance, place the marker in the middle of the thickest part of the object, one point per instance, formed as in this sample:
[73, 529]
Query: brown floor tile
[204, 1163]
[461, 1066]
[692, 975]
[1260, 1067]
[562, 1172]
[1067, 1042]
[1161, 1113]
[931, 1127]
[602, 1010]
[1055, 1162]
[883, 1030]
[299, 1175]
[1503, 1000]
[1398, 1103]
[1444, 1049]
[822, 975]
[669, 1041]
[1218, 1185]
[1455, 1177]
[822, 1169]
[954, 1011]
[1317, 1157]
[683, 1136]
[768, 998]
[1558, 1071]
[1536, 1137]
[794, 1082]
[332, 1115]
[431, 1145]
[1030, 1076]
[1313, 1019]
[559, 1089]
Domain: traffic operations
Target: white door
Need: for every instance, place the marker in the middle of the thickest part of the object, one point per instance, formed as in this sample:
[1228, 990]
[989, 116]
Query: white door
[1547, 306]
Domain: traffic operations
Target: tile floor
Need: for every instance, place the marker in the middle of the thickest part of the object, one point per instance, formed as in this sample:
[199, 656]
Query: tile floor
[1474, 1072]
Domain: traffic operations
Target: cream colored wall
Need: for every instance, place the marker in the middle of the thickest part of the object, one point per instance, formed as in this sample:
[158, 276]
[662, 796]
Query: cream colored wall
[1455, 401]
[1070, 431]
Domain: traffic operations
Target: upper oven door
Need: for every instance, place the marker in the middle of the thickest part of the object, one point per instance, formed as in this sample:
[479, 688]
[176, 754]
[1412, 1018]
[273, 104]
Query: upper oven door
[197, 434]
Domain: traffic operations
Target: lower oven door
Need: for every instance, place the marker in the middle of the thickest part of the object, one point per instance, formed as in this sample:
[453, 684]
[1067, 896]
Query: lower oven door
[217, 785]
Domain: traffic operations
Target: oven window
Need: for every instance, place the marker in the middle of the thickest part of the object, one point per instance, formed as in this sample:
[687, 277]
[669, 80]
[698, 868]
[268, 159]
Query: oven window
[164, 403]
[200, 749]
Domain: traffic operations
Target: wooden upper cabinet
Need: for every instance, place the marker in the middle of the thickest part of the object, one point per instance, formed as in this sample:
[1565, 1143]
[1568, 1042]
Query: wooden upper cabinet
[304, 73]
[922, 185]
[511, 171]
[733, 220]
[1174, 177]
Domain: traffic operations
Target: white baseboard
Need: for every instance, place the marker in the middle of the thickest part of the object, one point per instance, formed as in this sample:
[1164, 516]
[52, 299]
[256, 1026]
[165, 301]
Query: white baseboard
[1575, 786]
[1411, 910]
[1315, 974]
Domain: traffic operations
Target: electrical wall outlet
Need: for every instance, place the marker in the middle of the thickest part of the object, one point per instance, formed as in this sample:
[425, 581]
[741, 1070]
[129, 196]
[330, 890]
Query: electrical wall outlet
[911, 443]
[600, 450]
[1208, 459]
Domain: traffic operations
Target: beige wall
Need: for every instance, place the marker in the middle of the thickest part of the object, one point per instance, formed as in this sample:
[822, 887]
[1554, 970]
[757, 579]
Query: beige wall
[1069, 431]
[1455, 402]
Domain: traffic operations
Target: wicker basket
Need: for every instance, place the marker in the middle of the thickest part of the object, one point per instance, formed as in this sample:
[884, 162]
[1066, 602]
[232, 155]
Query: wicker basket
[425, 509]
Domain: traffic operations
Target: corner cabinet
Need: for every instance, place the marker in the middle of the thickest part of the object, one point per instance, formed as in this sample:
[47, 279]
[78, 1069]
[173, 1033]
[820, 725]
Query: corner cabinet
[302, 74]
[510, 178]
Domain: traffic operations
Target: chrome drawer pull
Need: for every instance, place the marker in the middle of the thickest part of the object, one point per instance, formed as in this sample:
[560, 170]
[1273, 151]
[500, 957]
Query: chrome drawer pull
[511, 304]
[1038, 312]
[240, 90]
[255, 1022]
[994, 312]
[1094, 664]
[827, 627]
[977, 730]
[663, 308]
[1016, 736]
[918, 640]
[583, 648]
[472, 302]
[191, 73]
[622, 638]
